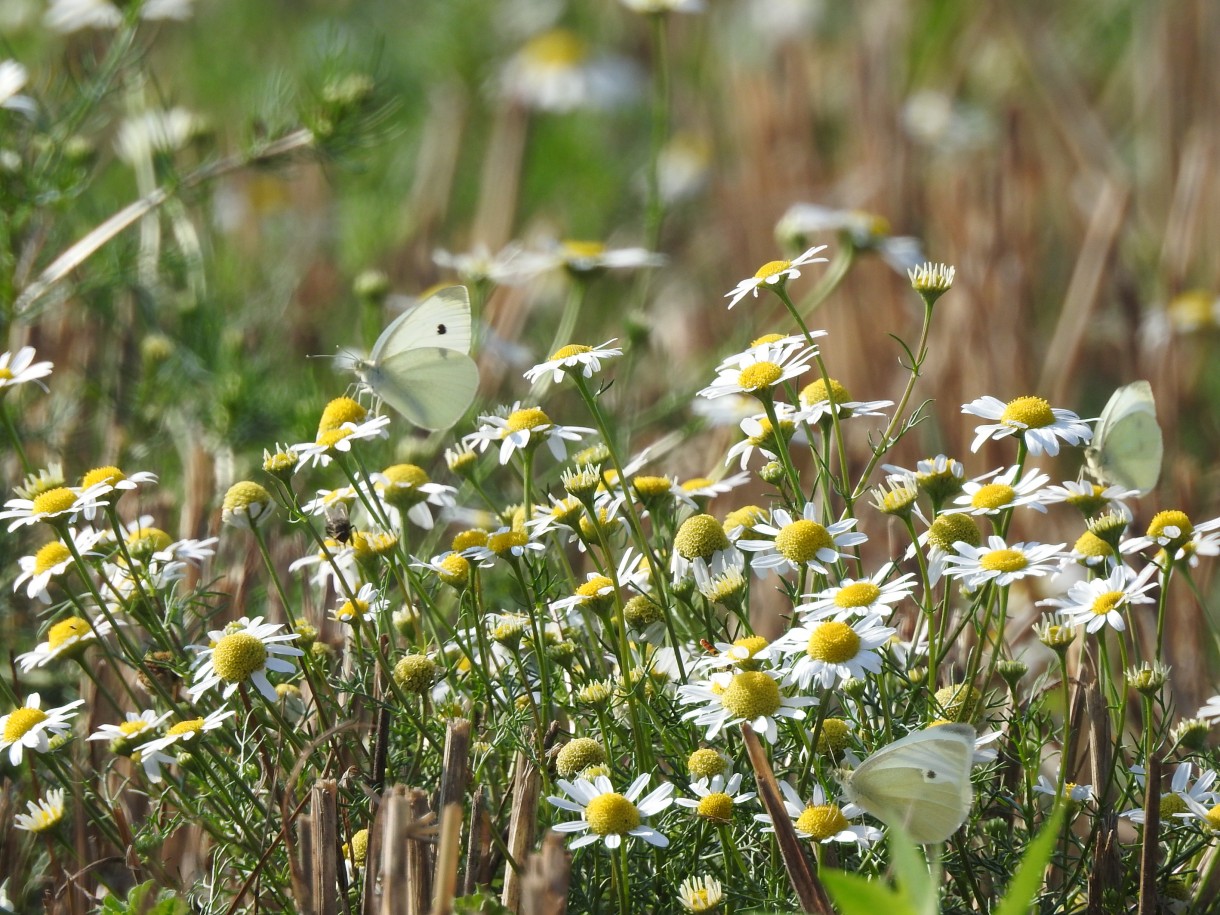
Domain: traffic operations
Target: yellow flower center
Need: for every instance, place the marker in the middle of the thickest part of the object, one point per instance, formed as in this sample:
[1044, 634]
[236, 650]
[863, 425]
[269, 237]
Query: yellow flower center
[815, 392]
[857, 594]
[54, 501]
[529, 418]
[751, 694]
[1027, 413]
[650, 487]
[66, 630]
[572, 349]
[402, 484]
[800, 541]
[612, 814]
[339, 411]
[1213, 817]
[574, 248]
[700, 537]
[109, 475]
[331, 437]
[502, 543]
[822, 822]
[1171, 518]
[834, 735]
[993, 496]
[466, 539]
[833, 642]
[706, 763]
[49, 556]
[770, 268]
[352, 610]
[145, 541]
[5, 374]
[947, 530]
[766, 433]
[593, 587]
[760, 376]
[753, 644]
[556, 48]
[696, 483]
[1004, 561]
[744, 517]
[1089, 544]
[190, 726]
[238, 655]
[132, 728]
[1107, 602]
[717, 806]
[766, 338]
[242, 495]
[455, 570]
[1172, 804]
[20, 721]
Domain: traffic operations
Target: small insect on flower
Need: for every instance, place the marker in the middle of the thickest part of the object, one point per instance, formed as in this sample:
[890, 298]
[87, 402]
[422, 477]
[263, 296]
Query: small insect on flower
[338, 523]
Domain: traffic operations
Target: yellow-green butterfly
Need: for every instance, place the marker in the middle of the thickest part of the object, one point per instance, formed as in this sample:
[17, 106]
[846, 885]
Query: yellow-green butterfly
[920, 783]
[419, 365]
[1127, 447]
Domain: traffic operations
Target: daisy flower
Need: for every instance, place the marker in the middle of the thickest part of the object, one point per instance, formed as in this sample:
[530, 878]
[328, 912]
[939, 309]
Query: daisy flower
[524, 428]
[774, 273]
[760, 370]
[152, 754]
[940, 477]
[752, 696]
[505, 543]
[702, 550]
[768, 343]
[52, 560]
[137, 727]
[66, 639]
[741, 653]
[1208, 817]
[321, 451]
[1173, 532]
[335, 565]
[364, 608]
[1099, 602]
[818, 402]
[1040, 425]
[1077, 794]
[29, 727]
[729, 410]
[1007, 490]
[821, 820]
[700, 894]
[573, 359]
[864, 231]
[714, 798]
[1091, 498]
[831, 651]
[1180, 795]
[605, 814]
[798, 543]
[1210, 710]
[115, 482]
[408, 488]
[43, 814]
[859, 597]
[20, 367]
[479, 265]
[246, 504]
[243, 651]
[557, 71]
[760, 435]
[1000, 563]
[59, 504]
[586, 257]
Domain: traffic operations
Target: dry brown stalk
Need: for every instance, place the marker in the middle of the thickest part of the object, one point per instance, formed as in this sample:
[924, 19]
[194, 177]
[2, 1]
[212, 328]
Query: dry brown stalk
[527, 783]
[478, 853]
[544, 888]
[447, 851]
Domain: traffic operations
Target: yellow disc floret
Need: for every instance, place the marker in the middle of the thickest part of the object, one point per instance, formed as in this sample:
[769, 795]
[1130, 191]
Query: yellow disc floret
[833, 642]
[612, 814]
[238, 655]
[750, 695]
[1027, 413]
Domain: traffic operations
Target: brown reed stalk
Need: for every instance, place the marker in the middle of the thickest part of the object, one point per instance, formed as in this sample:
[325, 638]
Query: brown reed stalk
[548, 872]
[527, 784]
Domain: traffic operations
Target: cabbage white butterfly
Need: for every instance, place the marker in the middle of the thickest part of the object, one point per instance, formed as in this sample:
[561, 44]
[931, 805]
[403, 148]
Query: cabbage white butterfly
[1127, 446]
[419, 365]
[920, 783]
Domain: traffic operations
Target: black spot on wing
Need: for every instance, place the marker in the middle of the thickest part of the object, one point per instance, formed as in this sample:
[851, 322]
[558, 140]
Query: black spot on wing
[441, 330]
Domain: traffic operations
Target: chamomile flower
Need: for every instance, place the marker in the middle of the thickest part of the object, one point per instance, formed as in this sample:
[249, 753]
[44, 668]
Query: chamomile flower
[408, 488]
[557, 71]
[43, 814]
[797, 543]
[997, 492]
[818, 401]
[363, 608]
[29, 727]
[1000, 563]
[479, 265]
[523, 428]
[821, 820]
[774, 273]
[246, 504]
[573, 359]
[702, 550]
[51, 561]
[581, 258]
[152, 754]
[1173, 532]
[329, 442]
[57, 505]
[1100, 601]
[761, 435]
[607, 815]
[751, 696]
[1036, 421]
[1077, 794]
[714, 798]
[137, 728]
[740, 653]
[66, 639]
[830, 651]
[1091, 498]
[244, 651]
[1180, 795]
[700, 894]
[506, 543]
[20, 367]
[862, 230]
[760, 370]
[872, 596]
[729, 410]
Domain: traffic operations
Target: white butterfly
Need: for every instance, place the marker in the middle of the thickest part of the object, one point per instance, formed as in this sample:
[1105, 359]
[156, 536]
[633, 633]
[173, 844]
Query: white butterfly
[1127, 447]
[419, 365]
[920, 783]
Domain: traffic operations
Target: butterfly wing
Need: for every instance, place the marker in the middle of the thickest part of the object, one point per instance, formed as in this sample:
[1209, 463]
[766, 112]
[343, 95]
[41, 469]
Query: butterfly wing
[920, 783]
[1127, 447]
[441, 321]
[431, 387]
